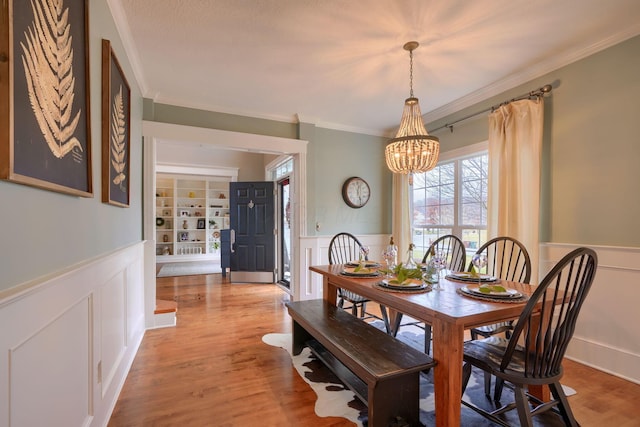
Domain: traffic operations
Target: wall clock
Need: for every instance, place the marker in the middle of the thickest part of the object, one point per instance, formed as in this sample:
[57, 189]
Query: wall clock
[356, 192]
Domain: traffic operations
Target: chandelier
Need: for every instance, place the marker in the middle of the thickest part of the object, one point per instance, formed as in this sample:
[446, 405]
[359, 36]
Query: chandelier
[412, 150]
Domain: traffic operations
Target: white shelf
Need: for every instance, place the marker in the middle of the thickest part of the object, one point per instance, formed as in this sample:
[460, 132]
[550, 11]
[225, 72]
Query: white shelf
[193, 199]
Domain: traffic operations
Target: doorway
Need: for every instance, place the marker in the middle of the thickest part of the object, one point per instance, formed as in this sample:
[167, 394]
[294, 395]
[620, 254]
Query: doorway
[284, 237]
[156, 133]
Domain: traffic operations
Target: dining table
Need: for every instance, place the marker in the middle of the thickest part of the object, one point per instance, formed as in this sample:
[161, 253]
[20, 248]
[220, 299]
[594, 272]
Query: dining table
[449, 312]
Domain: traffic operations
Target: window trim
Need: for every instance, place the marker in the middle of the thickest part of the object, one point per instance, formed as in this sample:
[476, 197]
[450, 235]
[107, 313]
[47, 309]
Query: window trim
[466, 151]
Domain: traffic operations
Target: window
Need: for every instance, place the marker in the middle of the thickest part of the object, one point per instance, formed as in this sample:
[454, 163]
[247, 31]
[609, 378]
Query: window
[451, 199]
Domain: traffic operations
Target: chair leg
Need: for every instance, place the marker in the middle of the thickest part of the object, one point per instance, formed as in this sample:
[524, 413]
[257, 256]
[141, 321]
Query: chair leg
[427, 339]
[522, 404]
[563, 404]
[466, 374]
[363, 310]
[474, 335]
[487, 384]
[385, 318]
[497, 394]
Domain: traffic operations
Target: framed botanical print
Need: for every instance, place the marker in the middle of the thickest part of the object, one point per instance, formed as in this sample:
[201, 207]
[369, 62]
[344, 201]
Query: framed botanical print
[45, 136]
[116, 134]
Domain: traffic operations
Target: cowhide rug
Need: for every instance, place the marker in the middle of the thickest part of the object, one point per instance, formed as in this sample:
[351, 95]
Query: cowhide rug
[336, 400]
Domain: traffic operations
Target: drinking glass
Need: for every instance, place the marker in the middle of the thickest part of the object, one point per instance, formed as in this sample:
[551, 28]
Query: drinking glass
[389, 256]
[480, 262]
[439, 260]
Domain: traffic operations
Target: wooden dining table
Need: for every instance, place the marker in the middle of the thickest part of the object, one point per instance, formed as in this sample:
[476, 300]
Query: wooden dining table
[448, 312]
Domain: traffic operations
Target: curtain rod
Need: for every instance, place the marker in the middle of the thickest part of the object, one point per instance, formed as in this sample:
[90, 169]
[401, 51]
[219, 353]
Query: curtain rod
[538, 93]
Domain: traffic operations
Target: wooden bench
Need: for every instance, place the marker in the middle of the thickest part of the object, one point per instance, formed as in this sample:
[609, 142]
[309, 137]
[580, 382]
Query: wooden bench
[381, 370]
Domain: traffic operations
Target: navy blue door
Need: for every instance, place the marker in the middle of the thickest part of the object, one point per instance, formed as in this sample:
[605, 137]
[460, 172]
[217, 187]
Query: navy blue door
[252, 223]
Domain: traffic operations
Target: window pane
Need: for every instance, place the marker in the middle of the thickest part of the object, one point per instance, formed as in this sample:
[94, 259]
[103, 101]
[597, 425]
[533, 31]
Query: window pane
[442, 205]
[473, 208]
[423, 238]
[446, 215]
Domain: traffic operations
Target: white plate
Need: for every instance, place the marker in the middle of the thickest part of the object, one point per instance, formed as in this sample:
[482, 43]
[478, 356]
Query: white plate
[468, 277]
[508, 293]
[366, 264]
[407, 284]
[350, 271]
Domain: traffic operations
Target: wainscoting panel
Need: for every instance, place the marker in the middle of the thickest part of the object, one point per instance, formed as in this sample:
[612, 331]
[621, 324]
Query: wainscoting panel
[316, 252]
[607, 336]
[113, 328]
[51, 372]
[71, 341]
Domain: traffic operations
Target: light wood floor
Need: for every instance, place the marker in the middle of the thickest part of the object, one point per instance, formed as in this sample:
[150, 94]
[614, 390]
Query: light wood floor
[212, 369]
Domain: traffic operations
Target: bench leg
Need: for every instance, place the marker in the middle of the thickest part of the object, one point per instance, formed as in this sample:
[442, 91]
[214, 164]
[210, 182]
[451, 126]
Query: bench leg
[299, 338]
[393, 398]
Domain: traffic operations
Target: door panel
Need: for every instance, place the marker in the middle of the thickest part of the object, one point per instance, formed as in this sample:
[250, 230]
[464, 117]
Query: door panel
[252, 217]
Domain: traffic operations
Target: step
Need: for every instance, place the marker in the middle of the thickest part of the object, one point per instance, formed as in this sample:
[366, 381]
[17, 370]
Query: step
[165, 314]
[164, 306]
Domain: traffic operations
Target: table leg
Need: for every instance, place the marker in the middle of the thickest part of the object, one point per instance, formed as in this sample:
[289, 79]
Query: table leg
[447, 352]
[329, 291]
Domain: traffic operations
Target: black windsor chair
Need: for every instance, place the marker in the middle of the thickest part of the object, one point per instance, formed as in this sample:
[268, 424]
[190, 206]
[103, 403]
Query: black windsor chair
[533, 355]
[507, 259]
[344, 248]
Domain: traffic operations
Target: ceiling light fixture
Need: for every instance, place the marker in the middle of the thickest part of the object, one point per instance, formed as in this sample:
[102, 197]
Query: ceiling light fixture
[413, 149]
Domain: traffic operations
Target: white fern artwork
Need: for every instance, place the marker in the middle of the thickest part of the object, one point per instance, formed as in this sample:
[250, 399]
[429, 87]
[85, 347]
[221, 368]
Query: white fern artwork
[118, 140]
[47, 59]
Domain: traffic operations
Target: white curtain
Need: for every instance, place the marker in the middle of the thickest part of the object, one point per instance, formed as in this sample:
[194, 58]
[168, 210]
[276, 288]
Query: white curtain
[515, 147]
[400, 217]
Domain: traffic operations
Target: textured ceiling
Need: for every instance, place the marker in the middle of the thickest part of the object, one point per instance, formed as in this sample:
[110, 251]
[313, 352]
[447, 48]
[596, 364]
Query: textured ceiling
[340, 63]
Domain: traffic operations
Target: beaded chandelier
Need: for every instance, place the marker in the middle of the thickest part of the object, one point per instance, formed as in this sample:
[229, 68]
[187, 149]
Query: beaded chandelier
[413, 149]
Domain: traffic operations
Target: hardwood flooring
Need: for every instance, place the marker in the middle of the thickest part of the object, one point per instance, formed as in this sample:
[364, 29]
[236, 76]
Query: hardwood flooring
[213, 369]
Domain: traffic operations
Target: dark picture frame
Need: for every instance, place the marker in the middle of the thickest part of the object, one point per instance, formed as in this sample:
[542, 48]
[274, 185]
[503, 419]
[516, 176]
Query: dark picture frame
[116, 130]
[45, 128]
[201, 223]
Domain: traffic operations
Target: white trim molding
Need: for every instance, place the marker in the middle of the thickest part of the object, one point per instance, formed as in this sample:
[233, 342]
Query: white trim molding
[606, 336]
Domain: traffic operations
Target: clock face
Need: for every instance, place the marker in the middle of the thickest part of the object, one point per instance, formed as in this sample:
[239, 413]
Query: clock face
[356, 192]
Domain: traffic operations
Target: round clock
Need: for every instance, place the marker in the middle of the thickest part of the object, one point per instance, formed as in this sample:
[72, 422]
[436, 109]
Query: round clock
[355, 192]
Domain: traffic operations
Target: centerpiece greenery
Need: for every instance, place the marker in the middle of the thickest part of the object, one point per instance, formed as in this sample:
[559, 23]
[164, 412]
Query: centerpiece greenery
[402, 274]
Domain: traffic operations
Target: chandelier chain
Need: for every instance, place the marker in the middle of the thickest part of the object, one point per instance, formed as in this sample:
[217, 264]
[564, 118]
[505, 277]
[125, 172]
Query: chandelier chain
[411, 73]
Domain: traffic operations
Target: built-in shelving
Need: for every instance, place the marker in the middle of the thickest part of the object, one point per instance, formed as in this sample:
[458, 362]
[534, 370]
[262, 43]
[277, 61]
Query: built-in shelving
[190, 212]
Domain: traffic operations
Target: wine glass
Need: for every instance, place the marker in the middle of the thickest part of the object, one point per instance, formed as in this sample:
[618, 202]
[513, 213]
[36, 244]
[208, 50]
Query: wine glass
[364, 255]
[439, 261]
[480, 262]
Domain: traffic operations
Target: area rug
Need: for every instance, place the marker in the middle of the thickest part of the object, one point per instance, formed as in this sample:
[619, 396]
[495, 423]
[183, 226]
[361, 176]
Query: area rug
[336, 400]
[189, 268]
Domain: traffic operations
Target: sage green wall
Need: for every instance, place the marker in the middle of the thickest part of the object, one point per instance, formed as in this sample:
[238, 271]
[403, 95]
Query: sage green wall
[338, 155]
[45, 232]
[212, 120]
[591, 150]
